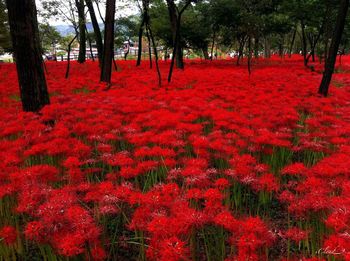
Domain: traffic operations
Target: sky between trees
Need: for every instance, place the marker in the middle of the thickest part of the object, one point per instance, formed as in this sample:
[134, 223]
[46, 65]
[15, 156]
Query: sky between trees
[123, 8]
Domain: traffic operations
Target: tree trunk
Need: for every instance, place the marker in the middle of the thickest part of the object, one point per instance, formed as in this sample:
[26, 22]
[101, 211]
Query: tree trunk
[256, 47]
[333, 49]
[82, 34]
[90, 45]
[155, 51]
[205, 53]
[108, 50]
[97, 30]
[267, 48]
[128, 51]
[68, 56]
[27, 52]
[175, 22]
[292, 43]
[280, 46]
[304, 43]
[139, 51]
[241, 48]
[212, 45]
[145, 20]
[149, 49]
[249, 55]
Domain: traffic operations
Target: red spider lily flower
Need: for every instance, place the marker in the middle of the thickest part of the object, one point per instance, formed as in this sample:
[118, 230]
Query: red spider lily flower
[296, 234]
[294, 169]
[8, 234]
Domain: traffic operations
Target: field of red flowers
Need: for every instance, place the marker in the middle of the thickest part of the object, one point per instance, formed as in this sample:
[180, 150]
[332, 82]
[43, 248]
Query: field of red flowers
[214, 166]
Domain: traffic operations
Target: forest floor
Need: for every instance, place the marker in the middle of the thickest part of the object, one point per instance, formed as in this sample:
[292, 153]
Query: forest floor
[217, 165]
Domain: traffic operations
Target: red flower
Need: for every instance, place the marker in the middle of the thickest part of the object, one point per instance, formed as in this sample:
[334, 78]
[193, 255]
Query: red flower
[8, 234]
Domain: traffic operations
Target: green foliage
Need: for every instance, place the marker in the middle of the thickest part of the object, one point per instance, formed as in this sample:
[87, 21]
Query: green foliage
[126, 29]
[49, 37]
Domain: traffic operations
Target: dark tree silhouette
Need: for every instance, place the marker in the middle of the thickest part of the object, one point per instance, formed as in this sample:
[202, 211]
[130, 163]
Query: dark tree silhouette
[108, 51]
[175, 15]
[82, 35]
[97, 31]
[145, 15]
[27, 52]
[333, 49]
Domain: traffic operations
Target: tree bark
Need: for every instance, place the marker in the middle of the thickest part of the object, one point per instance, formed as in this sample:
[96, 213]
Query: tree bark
[175, 22]
[139, 51]
[267, 48]
[145, 18]
[177, 50]
[249, 55]
[68, 56]
[292, 43]
[304, 43]
[90, 45]
[155, 52]
[241, 41]
[333, 49]
[256, 47]
[82, 34]
[212, 45]
[205, 53]
[27, 52]
[97, 30]
[108, 50]
[149, 49]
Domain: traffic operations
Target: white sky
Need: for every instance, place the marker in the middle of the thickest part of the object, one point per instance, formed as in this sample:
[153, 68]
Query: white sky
[123, 8]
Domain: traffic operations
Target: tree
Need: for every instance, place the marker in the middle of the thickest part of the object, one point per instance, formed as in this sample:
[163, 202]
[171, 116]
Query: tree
[108, 51]
[5, 38]
[82, 34]
[144, 16]
[333, 49]
[97, 31]
[175, 14]
[27, 52]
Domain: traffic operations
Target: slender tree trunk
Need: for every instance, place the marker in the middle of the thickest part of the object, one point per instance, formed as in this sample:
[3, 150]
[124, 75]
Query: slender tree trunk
[267, 47]
[99, 11]
[145, 16]
[90, 45]
[114, 63]
[292, 43]
[249, 55]
[155, 51]
[173, 58]
[108, 50]
[212, 45]
[256, 47]
[330, 62]
[240, 49]
[82, 34]
[175, 22]
[149, 49]
[128, 51]
[280, 46]
[97, 30]
[27, 52]
[139, 51]
[68, 56]
[205, 52]
[304, 43]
